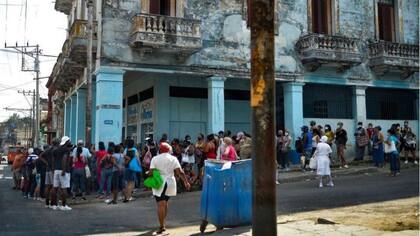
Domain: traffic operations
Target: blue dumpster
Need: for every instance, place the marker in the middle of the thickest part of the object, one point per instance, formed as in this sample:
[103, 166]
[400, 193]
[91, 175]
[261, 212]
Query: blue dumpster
[226, 199]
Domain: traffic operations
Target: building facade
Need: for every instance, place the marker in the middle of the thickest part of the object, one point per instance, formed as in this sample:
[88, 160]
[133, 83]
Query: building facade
[183, 66]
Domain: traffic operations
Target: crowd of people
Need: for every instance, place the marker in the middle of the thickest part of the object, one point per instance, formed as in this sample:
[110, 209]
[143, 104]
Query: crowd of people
[317, 142]
[64, 169]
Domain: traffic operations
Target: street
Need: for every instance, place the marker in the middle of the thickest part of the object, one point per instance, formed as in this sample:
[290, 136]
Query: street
[21, 216]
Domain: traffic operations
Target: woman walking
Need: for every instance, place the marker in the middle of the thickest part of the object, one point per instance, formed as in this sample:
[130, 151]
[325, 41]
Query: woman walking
[378, 147]
[322, 153]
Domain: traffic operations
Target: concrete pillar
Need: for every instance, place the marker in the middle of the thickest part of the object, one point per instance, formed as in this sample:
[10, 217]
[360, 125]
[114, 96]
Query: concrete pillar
[109, 96]
[216, 104]
[161, 91]
[359, 104]
[293, 108]
[73, 118]
[67, 115]
[81, 114]
[92, 134]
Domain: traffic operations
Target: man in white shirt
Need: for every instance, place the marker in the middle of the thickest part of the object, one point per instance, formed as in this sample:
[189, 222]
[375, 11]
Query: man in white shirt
[167, 165]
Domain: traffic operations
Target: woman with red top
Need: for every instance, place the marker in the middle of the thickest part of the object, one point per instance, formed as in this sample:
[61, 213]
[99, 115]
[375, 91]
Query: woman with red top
[99, 156]
[210, 148]
[229, 153]
[79, 174]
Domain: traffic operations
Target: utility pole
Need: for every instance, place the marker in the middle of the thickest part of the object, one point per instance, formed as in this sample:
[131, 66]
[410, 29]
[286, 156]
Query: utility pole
[33, 52]
[263, 103]
[33, 122]
[88, 133]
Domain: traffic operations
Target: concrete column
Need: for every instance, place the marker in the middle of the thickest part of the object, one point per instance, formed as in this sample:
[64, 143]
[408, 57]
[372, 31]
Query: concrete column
[216, 104]
[293, 108]
[359, 104]
[161, 91]
[93, 112]
[109, 96]
[73, 118]
[81, 114]
[67, 115]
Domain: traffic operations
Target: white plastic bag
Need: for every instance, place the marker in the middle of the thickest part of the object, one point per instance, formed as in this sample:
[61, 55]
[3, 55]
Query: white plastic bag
[313, 163]
[87, 170]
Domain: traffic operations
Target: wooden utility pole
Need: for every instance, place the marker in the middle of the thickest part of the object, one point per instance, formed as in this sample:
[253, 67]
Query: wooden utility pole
[261, 16]
[89, 75]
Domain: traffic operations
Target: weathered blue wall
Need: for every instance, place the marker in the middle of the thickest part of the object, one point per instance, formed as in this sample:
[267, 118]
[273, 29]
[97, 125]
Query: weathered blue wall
[411, 21]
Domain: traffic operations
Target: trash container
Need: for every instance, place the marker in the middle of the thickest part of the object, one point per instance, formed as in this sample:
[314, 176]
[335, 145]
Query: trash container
[226, 199]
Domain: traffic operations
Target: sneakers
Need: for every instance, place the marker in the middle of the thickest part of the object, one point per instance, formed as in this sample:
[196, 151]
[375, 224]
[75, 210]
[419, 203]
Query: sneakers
[416, 162]
[406, 162]
[346, 166]
[330, 184]
[107, 201]
[112, 202]
[320, 185]
[54, 207]
[65, 208]
[277, 182]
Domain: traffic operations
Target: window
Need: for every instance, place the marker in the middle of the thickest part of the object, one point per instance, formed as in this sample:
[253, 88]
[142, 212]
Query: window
[187, 92]
[132, 100]
[327, 101]
[386, 20]
[391, 104]
[160, 7]
[320, 109]
[321, 16]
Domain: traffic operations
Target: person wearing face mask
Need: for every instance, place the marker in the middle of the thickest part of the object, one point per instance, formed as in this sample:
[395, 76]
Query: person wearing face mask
[362, 141]
[340, 142]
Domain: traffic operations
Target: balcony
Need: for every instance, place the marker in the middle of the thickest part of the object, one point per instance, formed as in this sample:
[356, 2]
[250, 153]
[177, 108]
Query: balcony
[75, 47]
[316, 50]
[394, 57]
[166, 34]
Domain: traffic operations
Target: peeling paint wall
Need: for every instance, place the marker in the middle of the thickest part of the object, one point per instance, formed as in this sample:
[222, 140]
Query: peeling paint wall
[411, 21]
[226, 39]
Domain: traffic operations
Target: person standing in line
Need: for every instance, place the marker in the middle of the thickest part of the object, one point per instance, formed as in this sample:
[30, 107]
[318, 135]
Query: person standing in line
[199, 157]
[220, 145]
[322, 153]
[100, 154]
[167, 165]
[30, 182]
[279, 145]
[229, 153]
[362, 141]
[287, 140]
[17, 168]
[391, 149]
[210, 148]
[47, 158]
[316, 137]
[410, 145]
[306, 138]
[245, 145]
[61, 178]
[340, 142]
[79, 173]
[117, 174]
[129, 175]
[107, 171]
[378, 147]
[370, 131]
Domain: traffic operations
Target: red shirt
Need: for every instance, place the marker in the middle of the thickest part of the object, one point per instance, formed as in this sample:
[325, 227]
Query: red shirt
[79, 162]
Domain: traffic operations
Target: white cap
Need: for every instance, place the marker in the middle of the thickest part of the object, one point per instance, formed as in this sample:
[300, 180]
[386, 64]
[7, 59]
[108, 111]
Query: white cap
[64, 140]
[80, 142]
[324, 139]
[30, 151]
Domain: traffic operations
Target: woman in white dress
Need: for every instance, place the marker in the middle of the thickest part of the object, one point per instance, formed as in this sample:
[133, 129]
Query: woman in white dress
[323, 161]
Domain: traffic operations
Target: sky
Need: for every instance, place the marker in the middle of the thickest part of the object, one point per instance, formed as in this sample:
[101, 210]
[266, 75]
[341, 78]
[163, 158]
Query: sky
[43, 26]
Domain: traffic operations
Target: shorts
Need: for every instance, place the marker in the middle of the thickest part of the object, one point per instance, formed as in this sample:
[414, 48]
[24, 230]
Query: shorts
[49, 178]
[117, 181]
[130, 175]
[163, 196]
[61, 181]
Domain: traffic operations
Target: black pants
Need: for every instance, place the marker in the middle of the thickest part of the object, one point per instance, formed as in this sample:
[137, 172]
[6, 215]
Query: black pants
[42, 184]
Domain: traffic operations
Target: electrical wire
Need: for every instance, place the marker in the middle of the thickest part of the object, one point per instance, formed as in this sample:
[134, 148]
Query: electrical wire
[16, 86]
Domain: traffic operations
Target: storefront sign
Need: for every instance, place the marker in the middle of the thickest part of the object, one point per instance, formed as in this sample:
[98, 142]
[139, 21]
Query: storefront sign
[108, 122]
[146, 111]
[132, 114]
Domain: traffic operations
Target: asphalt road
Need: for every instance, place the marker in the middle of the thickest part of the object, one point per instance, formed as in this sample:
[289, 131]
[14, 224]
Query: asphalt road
[19, 216]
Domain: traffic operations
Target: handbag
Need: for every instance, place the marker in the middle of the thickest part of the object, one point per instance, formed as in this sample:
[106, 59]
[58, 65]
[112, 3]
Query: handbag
[134, 165]
[313, 163]
[87, 171]
[155, 181]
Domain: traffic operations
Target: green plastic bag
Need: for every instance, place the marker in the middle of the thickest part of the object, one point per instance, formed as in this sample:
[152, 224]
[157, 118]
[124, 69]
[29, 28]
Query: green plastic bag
[155, 181]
